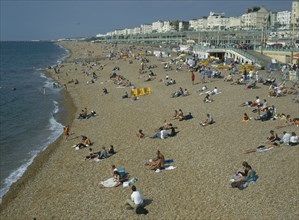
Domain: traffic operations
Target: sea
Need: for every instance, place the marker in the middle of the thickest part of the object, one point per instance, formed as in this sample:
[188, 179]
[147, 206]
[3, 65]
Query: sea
[30, 105]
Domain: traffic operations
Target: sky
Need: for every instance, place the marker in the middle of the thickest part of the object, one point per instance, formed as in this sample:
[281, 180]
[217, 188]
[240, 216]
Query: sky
[56, 19]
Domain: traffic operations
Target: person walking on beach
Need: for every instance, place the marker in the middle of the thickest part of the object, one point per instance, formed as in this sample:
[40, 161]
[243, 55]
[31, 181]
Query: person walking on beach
[66, 132]
[192, 77]
[136, 199]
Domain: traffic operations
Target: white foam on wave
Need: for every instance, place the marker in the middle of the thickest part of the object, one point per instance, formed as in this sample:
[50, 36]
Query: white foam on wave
[64, 56]
[56, 129]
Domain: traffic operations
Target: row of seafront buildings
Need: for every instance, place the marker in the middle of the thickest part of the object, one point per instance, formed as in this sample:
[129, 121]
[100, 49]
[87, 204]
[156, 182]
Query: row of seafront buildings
[254, 18]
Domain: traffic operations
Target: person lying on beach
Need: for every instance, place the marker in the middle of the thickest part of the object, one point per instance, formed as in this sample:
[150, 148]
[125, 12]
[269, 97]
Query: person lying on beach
[238, 81]
[91, 155]
[265, 105]
[289, 122]
[85, 142]
[215, 91]
[166, 125]
[83, 114]
[269, 81]
[204, 88]
[163, 133]
[187, 117]
[208, 98]
[170, 82]
[157, 162]
[262, 148]
[91, 114]
[208, 121]
[114, 181]
[241, 179]
[103, 154]
[228, 78]
[256, 103]
[247, 103]
[251, 84]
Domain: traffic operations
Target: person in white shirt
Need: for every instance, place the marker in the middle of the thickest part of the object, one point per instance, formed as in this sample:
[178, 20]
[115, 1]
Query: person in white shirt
[294, 139]
[285, 138]
[136, 199]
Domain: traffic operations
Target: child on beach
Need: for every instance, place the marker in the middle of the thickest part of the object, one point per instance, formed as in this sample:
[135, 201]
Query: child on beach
[66, 132]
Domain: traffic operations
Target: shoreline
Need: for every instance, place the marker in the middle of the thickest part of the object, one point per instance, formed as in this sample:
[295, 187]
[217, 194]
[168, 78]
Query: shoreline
[67, 117]
[61, 184]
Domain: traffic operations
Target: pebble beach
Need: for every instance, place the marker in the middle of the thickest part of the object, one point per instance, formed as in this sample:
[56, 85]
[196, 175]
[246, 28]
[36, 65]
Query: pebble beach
[61, 184]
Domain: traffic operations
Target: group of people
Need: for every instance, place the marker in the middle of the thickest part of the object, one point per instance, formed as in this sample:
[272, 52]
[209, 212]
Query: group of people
[102, 154]
[180, 93]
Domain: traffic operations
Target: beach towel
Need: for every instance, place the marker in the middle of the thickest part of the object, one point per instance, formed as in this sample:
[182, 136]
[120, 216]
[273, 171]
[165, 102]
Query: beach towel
[263, 149]
[109, 183]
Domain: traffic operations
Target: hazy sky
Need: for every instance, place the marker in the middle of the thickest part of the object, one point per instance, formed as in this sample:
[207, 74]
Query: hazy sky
[53, 19]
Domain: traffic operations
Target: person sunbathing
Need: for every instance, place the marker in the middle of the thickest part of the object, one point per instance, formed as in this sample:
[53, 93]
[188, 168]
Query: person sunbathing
[103, 154]
[262, 148]
[179, 115]
[251, 84]
[187, 117]
[83, 114]
[207, 98]
[256, 103]
[228, 78]
[289, 122]
[162, 133]
[91, 155]
[265, 105]
[85, 142]
[157, 162]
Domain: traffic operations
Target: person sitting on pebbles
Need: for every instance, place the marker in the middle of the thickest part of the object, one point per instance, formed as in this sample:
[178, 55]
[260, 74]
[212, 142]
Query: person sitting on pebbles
[85, 142]
[208, 121]
[157, 162]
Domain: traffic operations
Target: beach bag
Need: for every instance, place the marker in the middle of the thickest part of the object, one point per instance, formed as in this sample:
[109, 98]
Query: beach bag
[141, 211]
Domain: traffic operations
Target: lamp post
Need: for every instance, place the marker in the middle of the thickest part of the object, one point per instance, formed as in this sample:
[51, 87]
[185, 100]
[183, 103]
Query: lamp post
[292, 42]
[262, 40]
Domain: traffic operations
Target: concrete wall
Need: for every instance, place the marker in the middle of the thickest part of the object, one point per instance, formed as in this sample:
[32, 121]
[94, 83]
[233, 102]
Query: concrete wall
[280, 56]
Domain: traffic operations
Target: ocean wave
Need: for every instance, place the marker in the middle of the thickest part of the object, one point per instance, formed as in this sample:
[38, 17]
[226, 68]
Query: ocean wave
[64, 56]
[56, 129]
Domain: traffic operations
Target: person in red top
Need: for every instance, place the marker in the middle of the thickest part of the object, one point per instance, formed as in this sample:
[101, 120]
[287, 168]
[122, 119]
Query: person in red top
[193, 77]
